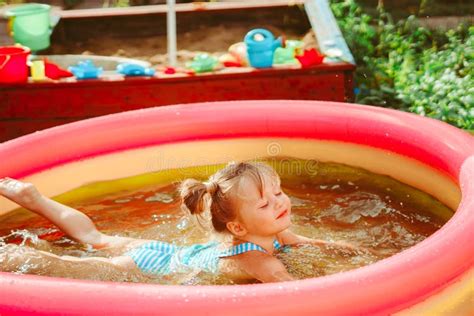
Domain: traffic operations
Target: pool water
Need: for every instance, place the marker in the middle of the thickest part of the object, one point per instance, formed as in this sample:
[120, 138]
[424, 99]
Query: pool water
[333, 202]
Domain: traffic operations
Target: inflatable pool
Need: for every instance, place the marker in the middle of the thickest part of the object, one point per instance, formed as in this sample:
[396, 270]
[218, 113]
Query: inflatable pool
[434, 277]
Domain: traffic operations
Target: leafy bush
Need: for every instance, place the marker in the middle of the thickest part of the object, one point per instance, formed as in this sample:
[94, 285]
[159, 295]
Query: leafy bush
[405, 66]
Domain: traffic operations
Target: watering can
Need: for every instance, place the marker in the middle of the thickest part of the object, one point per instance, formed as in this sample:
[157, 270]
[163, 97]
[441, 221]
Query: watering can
[261, 44]
[31, 25]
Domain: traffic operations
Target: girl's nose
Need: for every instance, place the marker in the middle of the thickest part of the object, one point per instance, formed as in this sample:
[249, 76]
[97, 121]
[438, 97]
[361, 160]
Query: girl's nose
[278, 202]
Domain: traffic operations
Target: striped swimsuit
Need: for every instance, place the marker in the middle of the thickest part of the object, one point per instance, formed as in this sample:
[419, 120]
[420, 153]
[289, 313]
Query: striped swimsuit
[162, 258]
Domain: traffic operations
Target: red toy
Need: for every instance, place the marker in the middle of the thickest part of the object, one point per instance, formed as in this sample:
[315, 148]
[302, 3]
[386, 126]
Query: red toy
[310, 57]
[170, 71]
[53, 71]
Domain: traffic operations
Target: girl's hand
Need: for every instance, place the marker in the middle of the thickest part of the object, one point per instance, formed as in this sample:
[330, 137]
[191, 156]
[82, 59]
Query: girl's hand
[22, 193]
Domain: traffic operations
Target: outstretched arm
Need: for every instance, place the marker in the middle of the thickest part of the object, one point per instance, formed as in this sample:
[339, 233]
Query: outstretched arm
[71, 221]
[289, 238]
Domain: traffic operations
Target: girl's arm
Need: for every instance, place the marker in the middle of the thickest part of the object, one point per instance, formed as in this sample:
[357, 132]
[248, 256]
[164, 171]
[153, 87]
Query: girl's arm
[71, 221]
[263, 267]
[76, 224]
[289, 238]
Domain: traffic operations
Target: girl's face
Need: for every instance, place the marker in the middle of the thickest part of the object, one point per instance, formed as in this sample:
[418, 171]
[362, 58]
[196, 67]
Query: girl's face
[264, 214]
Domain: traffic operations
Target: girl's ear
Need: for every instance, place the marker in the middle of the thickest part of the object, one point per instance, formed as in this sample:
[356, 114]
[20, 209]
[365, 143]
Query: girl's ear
[236, 229]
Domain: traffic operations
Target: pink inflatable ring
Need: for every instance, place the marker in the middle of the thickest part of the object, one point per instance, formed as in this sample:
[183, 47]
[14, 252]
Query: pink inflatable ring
[433, 277]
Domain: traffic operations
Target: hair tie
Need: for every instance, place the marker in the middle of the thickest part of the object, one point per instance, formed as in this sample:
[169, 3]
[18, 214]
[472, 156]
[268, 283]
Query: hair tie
[211, 187]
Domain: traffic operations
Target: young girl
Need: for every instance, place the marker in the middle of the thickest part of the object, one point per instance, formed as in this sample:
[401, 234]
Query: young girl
[244, 200]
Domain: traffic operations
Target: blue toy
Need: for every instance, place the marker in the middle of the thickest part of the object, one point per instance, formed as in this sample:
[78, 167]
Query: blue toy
[131, 69]
[85, 70]
[261, 44]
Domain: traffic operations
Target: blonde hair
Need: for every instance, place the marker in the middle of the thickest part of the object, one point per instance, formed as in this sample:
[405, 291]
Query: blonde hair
[215, 195]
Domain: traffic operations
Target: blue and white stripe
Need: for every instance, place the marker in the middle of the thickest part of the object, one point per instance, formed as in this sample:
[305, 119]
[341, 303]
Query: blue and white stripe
[163, 258]
[153, 257]
[245, 247]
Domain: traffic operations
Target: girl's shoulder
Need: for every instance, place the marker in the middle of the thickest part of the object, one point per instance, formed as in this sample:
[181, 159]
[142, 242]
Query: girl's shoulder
[257, 265]
[231, 268]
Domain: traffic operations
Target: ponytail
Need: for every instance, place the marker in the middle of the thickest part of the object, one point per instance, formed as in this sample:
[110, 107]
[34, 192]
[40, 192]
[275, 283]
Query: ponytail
[193, 196]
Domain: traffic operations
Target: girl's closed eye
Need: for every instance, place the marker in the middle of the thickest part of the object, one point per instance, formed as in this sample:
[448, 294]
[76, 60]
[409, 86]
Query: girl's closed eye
[279, 193]
[264, 205]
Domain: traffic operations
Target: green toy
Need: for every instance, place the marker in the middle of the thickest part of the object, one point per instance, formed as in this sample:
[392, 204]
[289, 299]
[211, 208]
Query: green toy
[31, 25]
[202, 63]
[286, 56]
[297, 46]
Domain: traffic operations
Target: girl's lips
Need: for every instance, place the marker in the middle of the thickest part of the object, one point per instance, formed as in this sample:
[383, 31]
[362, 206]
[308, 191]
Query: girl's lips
[282, 214]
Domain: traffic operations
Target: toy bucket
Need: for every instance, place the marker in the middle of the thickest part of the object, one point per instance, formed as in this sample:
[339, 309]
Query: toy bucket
[30, 25]
[13, 64]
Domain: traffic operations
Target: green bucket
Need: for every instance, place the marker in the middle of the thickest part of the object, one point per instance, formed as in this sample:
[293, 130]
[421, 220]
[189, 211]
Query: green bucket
[30, 25]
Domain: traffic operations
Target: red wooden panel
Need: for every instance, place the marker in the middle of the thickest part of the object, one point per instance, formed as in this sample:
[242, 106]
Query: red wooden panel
[28, 107]
[98, 97]
[10, 129]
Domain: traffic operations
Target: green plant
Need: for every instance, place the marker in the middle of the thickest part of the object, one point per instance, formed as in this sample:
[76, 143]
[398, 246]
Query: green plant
[441, 85]
[408, 67]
